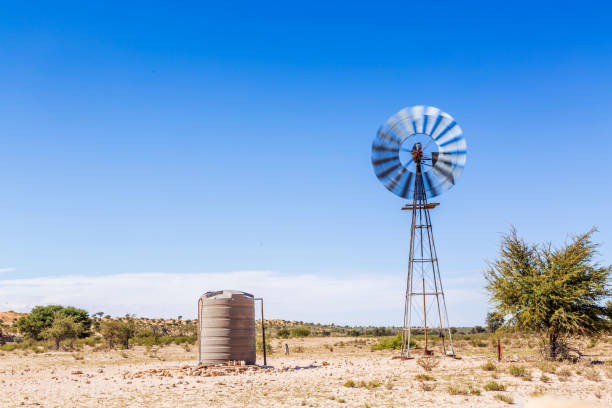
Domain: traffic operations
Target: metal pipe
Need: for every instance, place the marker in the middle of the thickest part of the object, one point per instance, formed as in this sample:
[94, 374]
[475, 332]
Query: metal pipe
[199, 331]
[263, 332]
[425, 316]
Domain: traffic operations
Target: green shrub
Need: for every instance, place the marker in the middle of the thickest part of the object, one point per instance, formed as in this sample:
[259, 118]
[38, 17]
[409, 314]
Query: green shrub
[283, 333]
[393, 343]
[300, 332]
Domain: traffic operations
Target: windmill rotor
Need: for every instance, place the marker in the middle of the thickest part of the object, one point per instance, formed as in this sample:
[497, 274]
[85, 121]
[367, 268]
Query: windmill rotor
[419, 144]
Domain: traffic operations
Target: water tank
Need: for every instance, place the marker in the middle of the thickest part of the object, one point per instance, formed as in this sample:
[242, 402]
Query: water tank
[226, 321]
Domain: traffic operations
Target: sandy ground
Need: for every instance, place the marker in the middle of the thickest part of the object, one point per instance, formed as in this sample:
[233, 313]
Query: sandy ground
[324, 366]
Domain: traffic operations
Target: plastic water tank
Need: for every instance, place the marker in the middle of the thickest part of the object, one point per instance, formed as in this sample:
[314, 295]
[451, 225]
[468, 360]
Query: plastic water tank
[226, 321]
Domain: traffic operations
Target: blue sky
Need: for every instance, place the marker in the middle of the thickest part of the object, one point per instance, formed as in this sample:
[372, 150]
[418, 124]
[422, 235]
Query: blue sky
[201, 140]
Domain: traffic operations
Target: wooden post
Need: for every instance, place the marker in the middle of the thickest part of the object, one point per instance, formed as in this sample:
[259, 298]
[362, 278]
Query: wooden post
[499, 350]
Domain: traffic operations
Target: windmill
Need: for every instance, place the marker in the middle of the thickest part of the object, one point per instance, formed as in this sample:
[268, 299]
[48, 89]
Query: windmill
[417, 154]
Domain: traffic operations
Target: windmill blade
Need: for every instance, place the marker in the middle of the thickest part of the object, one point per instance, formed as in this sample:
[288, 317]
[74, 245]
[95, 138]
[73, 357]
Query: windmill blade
[393, 183]
[385, 160]
[389, 170]
[389, 137]
[407, 184]
[444, 174]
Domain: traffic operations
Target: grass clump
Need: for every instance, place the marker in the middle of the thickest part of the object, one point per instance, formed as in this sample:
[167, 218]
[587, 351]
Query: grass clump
[362, 384]
[474, 391]
[518, 371]
[494, 386]
[456, 390]
[592, 375]
[544, 378]
[424, 377]
[505, 398]
[547, 367]
[564, 373]
[489, 366]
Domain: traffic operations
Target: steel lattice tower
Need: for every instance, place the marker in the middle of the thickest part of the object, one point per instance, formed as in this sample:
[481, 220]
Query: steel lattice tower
[423, 285]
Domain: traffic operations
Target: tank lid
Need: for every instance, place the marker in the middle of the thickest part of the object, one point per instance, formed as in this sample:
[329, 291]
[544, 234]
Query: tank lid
[219, 294]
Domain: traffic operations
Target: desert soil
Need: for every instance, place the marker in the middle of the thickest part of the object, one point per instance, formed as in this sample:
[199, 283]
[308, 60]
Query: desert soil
[315, 374]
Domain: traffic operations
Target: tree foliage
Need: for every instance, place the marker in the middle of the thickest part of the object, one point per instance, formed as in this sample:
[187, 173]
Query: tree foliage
[42, 317]
[494, 321]
[118, 332]
[558, 293]
[63, 328]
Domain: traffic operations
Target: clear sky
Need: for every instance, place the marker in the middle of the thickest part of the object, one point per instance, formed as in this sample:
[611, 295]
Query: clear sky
[154, 151]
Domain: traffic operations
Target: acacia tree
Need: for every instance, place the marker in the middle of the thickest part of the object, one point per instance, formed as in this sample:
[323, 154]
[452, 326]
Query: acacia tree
[557, 293]
[62, 328]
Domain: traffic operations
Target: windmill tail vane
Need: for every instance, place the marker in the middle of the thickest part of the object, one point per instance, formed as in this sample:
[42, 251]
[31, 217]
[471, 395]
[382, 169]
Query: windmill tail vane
[418, 154]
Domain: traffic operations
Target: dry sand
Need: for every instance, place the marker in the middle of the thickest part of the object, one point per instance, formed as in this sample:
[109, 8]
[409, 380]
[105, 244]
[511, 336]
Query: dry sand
[120, 379]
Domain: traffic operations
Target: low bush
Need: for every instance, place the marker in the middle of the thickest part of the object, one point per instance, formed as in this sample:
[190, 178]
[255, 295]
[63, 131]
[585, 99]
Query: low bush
[300, 332]
[283, 333]
[428, 363]
[393, 343]
[494, 386]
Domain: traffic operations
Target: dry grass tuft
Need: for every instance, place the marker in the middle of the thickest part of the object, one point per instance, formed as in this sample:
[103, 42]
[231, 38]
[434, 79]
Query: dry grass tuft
[505, 398]
[489, 366]
[592, 375]
[424, 377]
[428, 386]
[564, 373]
[518, 371]
[428, 363]
[547, 367]
[494, 386]
[456, 390]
